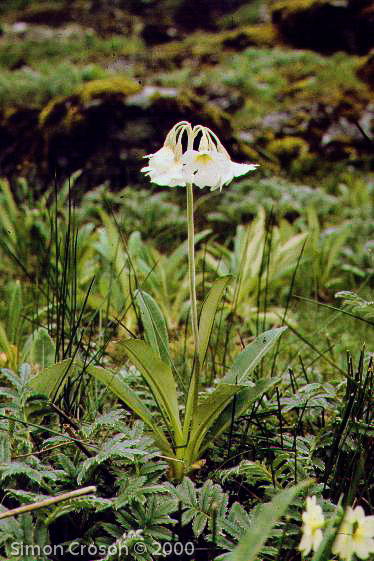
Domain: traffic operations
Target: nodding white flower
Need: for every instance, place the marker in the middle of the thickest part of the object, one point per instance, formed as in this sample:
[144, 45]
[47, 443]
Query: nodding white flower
[165, 166]
[164, 169]
[209, 166]
[356, 535]
[313, 521]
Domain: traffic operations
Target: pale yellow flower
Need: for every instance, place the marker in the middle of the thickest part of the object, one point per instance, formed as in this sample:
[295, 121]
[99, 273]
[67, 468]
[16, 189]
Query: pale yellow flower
[356, 535]
[313, 521]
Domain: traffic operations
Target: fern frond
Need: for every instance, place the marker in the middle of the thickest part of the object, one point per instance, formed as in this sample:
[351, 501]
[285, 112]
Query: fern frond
[114, 449]
[113, 420]
[134, 488]
[78, 505]
[206, 506]
[16, 469]
[253, 472]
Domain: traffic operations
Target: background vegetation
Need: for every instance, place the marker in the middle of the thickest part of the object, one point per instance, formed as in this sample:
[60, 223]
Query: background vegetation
[86, 90]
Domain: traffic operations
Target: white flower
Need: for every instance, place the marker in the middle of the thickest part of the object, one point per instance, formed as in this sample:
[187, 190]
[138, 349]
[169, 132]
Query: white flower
[313, 521]
[356, 535]
[164, 169]
[209, 166]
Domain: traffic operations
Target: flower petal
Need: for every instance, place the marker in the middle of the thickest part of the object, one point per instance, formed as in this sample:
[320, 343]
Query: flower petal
[241, 169]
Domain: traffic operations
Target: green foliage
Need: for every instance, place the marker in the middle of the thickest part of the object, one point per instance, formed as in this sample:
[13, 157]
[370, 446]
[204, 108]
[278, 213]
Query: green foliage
[252, 472]
[39, 348]
[355, 304]
[323, 251]
[262, 426]
[203, 507]
[129, 264]
[31, 69]
[154, 325]
[22, 531]
[267, 516]
[267, 74]
[79, 505]
[154, 215]
[279, 195]
[211, 412]
[76, 47]
[261, 258]
[115, 448]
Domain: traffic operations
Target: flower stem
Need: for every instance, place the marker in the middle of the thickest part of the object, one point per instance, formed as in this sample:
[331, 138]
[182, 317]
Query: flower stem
[191, 267]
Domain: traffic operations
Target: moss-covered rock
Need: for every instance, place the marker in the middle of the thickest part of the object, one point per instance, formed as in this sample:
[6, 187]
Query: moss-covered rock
[261, 35]
[104, 129]
[202, 14]
[105, 17]
[292, 152]
[115, 85]
[288, 148]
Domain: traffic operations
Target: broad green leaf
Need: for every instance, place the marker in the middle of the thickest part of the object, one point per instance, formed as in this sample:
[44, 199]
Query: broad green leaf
[119, 387]
[51, 380]
[243, 399]
[205, 415]
[248, 359]
[5, 344]
[268, 515]
[10, 204]
[137, 247]
[154, 325]
[14, 312]
[159, 377]
[39, 348]
[208, 313]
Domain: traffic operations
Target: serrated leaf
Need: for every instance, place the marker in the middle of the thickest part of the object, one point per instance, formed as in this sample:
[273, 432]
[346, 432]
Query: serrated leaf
[78, 504]
[199, 523]
[186, 492]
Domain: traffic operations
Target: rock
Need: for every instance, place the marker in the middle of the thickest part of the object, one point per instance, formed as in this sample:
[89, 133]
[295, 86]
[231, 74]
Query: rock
[156, 33]
[366, 70]
[18, 134]
[106, 18]
[203, 14]
[326, 26]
